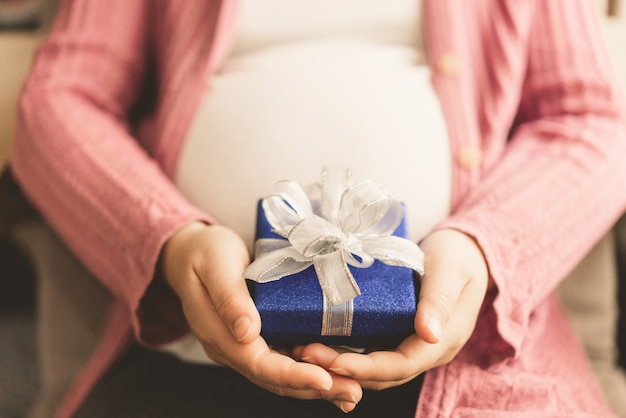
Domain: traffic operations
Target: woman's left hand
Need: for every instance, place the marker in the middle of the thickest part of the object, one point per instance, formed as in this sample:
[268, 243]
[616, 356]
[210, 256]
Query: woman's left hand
[452, 292]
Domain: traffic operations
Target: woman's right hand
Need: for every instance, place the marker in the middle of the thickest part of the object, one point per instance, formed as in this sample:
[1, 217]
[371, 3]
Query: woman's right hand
[203, 264]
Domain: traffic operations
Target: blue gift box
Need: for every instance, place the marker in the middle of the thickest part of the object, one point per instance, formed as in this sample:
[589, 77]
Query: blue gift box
[291, 308]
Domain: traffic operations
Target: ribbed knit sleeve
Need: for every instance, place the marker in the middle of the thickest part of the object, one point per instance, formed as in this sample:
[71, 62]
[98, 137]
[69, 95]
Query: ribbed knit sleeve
[561, 181]
[77, 161]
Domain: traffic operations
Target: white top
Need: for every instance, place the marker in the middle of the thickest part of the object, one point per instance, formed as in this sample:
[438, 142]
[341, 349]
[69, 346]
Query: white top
[312, 83]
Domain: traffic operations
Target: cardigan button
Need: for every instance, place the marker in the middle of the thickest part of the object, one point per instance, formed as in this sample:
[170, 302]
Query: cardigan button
[449, 65]
[469, 157]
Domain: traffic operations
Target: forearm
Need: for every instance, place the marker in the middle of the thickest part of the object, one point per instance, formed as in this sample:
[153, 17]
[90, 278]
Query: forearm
[75, 157]
[559, 184]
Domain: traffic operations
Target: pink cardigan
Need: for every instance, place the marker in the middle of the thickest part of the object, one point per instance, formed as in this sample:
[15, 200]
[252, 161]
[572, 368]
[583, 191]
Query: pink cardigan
[537, 139]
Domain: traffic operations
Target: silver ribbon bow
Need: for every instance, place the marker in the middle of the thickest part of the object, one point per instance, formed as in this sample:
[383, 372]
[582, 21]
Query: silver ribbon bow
[352, 226]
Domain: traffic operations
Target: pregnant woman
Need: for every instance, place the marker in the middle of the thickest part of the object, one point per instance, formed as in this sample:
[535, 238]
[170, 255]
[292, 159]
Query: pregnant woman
[149, 129]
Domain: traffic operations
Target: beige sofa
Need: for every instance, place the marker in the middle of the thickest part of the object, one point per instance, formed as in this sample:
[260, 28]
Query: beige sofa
[16, 50]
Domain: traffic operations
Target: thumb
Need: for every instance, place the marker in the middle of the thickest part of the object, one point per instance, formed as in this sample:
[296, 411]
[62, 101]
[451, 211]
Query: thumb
[239, 313]
[231, 299]
[215, 257]
[223, 279]
[441, 287]
[434, 308]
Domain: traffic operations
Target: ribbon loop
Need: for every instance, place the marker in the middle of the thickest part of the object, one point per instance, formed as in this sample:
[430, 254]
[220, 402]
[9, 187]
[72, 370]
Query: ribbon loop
[354, 228]
[314, 236]
[366, 210]
[334, 182]
[286, 206]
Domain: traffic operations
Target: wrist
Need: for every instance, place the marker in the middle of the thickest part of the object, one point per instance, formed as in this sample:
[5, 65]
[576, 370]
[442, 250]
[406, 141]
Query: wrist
[474, 260]
[196, 247]
[174, 248]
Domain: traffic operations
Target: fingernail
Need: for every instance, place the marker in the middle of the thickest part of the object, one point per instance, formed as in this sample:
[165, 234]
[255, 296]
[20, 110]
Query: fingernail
[307, 359]
[297, 352]
[347, 397]
[433, 324]
[345, 406]
[322, 386]
[340, 371]
[241, 328]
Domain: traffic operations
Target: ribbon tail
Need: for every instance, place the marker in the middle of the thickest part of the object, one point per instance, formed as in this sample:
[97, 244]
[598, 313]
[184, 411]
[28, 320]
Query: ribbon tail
[337, 319]
[335, 278]
[275, 265]
[395, 251]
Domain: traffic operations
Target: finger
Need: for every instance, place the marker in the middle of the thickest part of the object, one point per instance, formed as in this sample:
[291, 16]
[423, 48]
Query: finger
[298, 377]
[344, 406]
[413, 356]
[437, 299]
[382, 385]
[382, 369]
[236, 309]
[271, 369]
[344, 402]
[319, 354]
[222, 275]
[345, 392]
[440, 289]
[285, 376]
[376, 366]
[206, 323]
[324, 356]
[254, 360]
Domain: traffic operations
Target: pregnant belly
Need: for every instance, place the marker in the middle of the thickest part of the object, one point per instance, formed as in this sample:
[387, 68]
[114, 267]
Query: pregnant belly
[287, 111]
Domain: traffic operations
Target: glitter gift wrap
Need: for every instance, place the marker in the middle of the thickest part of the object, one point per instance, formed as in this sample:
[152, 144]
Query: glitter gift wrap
[292, 308]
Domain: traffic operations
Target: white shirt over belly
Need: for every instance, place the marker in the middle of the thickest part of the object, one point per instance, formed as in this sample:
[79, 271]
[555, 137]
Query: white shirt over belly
[309, 84]
[331, 82]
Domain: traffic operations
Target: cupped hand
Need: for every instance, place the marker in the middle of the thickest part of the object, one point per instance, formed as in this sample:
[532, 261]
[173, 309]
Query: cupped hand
[203, 264]
[452, 292]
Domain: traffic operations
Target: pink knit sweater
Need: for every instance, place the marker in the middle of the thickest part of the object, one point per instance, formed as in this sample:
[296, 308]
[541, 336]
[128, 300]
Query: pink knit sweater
[537, 139]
